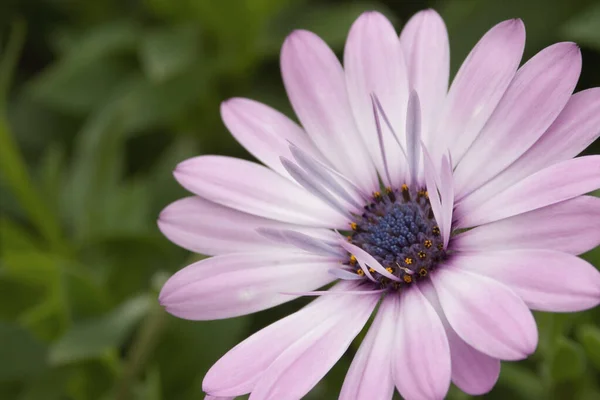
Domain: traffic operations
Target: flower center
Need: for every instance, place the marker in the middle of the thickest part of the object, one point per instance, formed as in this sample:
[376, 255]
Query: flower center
[400, 231]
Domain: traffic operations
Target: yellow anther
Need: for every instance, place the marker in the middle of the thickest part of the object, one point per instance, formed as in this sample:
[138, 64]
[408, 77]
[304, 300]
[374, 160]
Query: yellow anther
[371, 270]
[423, 272]
[353, 259]
[408, 261]
[440, 246]
[428, 243]
[405, 187]
[360, 272]
[436, 231]
[422, 255]
[407, 278]
[388, 189]
[389, 269]
[353, 225]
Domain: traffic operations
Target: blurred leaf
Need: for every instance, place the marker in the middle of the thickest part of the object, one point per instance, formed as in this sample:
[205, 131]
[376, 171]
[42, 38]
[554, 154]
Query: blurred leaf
[124, 211]
[584, 28]
[150, 388]
[49, 386]
[469, 20]
[9, 59]
[22, 356]
[521, 381]
[85, 296]
[34, 267]
[552, 327]
[330, 21]
[106, 39]
[189, 348]
[568, 361]
[166, 52]
[589, 337]
[12, 165]
[79, 86]
[95, 171]
[14, 237]
[147, 105]
[52, 175]
[91, 338]
[165, 189]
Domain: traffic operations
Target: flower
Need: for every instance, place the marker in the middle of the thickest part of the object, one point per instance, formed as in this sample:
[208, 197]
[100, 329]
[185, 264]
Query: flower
[449, 213]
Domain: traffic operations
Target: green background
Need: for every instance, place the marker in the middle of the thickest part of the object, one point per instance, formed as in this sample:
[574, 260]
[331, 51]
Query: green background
[99, 100]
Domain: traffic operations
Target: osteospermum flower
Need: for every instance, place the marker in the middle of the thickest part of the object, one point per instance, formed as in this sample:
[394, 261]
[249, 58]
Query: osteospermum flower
[449, 213]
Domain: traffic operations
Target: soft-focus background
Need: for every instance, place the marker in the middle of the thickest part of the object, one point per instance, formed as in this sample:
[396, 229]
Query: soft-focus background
[98, 102]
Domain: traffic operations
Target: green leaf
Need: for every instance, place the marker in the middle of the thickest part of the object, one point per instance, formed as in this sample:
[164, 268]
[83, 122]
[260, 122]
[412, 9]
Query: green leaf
[49, 386]
[21, 354]
[567, 362]
[189, 348]
[96, 170]
[12, 165]
[150, 389]
[151, 105]
[110, 38]
[589, 337]
[330, 21]
[35, 267]
[521, 381]
[14, 237]
[9, 59]
[584, 27]
[169, 51]
[92, 338]
[79, 86]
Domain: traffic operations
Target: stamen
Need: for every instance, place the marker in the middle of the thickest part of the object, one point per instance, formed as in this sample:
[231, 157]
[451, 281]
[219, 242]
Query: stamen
[395, 240]
[345, 274]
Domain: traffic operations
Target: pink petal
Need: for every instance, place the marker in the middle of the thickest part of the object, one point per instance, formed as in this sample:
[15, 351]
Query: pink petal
[424, 41]
[473, 372]
[238, 284]
[485, 313]
[252, 188]
[265, 132]
[432, 182]
[570, 226]
[302, 365]
[238, 371]
[576, 127]
[562, 181]
[546, 280]
[374, 64]
[370, 375]
[315, 83]
[478, 87]
[421, 354]
[447, 198]
[208, 228]
[209, 397]
[538, 93]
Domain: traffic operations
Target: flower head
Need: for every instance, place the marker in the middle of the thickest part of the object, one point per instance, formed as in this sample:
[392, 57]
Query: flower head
[456, 210]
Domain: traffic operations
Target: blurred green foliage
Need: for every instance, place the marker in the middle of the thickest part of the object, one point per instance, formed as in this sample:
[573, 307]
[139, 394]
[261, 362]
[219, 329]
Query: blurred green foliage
[98, 102]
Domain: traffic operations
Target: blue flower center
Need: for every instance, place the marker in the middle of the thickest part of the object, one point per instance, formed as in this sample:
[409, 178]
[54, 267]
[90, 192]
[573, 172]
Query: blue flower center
[400, 231]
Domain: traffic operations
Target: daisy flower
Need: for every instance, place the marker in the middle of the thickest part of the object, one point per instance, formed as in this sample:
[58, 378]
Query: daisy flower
[447, 212]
